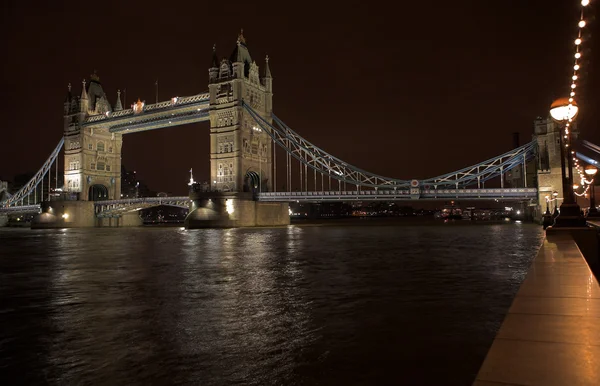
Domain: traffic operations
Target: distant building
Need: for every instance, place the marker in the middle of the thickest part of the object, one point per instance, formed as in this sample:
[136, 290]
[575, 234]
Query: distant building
[131, 187]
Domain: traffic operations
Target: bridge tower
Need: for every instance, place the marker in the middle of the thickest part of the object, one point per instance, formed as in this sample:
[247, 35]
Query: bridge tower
[240, 152]
[549, 173]
[92, 154]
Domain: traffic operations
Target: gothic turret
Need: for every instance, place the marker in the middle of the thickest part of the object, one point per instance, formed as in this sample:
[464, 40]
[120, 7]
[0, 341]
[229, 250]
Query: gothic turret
[118, 105]
[267, 69]
[68, 100]
[213, 71]
[83, 101]
[268, 79]
[240, 57]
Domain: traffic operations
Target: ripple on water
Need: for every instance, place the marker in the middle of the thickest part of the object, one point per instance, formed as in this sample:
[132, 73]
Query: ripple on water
[296, 305]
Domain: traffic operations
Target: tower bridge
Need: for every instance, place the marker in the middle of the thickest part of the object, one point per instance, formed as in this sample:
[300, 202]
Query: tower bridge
[249, 148]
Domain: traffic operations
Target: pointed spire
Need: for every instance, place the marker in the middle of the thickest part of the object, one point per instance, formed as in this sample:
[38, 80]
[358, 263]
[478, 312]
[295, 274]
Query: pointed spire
[84, 91]
[241, 38]
[94, 77]
[267, 69]
[69, 96]
[118, 105]
[215, 60]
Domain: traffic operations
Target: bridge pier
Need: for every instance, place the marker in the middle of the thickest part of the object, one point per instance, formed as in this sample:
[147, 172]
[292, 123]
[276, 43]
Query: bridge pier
[3, 220]
[232, 210]
[65, 214]
[129, 219]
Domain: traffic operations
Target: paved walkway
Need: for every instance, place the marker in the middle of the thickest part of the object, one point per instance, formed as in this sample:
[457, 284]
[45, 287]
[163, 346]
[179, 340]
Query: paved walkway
[551, 335]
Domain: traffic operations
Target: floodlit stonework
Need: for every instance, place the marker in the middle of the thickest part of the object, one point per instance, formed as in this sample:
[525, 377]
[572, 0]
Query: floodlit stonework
[92, 154]
[549, 175]
[240, 152]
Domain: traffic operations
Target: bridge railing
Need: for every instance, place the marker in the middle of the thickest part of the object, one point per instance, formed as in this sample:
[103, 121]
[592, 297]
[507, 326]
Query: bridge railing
[21, 209]
[382, 194]
[142, 200]
[175, 102]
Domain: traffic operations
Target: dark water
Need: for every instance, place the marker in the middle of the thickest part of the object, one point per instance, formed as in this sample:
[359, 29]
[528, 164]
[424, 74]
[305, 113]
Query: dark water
[328, 305]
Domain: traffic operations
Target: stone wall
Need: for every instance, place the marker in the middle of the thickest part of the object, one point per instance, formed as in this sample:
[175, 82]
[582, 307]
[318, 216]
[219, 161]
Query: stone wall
[231, 210]
[131, 219]
[65, 214]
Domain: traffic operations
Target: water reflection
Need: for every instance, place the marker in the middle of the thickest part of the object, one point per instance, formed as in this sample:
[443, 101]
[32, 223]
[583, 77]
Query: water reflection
[295, 305]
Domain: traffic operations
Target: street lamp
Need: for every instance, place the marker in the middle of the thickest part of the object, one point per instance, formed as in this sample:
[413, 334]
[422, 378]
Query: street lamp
[547, 218]
[563, 111]
[591, 171]
[555, 195]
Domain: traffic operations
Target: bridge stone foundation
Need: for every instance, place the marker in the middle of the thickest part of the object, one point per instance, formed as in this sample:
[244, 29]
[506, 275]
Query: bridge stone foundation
[65, 214]
[79, 214]
[232, 210]
[3, 220]
[130, 219]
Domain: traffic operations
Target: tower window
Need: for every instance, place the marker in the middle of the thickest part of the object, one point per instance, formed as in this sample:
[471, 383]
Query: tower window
[93, 166]
[100, 146]
[108, 168]
[89, 146]
[101, 166]
[110, 149]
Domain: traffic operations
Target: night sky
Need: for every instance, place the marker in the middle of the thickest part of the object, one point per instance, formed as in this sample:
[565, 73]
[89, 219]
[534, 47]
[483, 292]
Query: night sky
[406, 90]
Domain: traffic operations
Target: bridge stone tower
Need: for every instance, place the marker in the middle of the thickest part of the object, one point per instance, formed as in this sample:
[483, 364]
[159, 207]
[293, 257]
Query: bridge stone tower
[240, 152]
[92, 154]
[549, 173]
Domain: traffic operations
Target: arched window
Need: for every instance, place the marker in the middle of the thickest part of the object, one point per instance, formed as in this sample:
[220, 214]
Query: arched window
[100, 146]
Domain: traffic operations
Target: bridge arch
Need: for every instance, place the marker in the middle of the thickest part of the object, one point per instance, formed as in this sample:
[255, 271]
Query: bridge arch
[251, 181]
[97, 192]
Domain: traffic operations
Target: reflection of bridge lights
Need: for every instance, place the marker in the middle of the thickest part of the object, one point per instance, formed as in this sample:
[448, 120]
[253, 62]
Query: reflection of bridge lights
[229, 206]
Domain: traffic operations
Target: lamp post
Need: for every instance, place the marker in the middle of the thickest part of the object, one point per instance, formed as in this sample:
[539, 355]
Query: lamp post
[547, 218]
[591, 171]
[555, 195]
[563, 111]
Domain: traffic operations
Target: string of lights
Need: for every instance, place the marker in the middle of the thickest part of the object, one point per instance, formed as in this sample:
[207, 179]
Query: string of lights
[572, 97]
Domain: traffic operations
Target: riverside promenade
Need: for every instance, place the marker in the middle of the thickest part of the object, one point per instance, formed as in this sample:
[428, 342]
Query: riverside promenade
[551, 334]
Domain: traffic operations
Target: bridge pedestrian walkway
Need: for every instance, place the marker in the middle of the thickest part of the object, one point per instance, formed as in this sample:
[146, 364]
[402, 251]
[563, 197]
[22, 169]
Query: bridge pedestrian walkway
[551, 334]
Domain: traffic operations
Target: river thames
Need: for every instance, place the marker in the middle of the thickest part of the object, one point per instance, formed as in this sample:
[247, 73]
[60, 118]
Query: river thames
[298, 305]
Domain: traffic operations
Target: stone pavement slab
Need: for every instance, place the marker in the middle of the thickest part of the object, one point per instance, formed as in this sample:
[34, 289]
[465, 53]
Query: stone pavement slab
[551, 334]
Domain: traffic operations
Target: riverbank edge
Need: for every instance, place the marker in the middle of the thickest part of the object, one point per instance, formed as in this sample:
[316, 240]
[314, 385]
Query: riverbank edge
[548, 335]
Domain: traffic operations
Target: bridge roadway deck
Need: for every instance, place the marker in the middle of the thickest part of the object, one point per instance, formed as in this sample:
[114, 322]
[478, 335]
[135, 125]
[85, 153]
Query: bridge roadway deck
[551, 334]
[514, 194]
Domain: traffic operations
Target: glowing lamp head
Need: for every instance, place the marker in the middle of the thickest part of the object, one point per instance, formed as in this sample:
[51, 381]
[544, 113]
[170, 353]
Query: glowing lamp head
[562, 110]
[591, 170]
[575, 186]
[555, 194]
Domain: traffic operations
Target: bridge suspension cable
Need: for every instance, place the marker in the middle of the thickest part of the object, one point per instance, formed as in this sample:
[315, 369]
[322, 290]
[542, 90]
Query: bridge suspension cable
[318, 160]
[486, 170]
[38, 179]
[313, 157]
